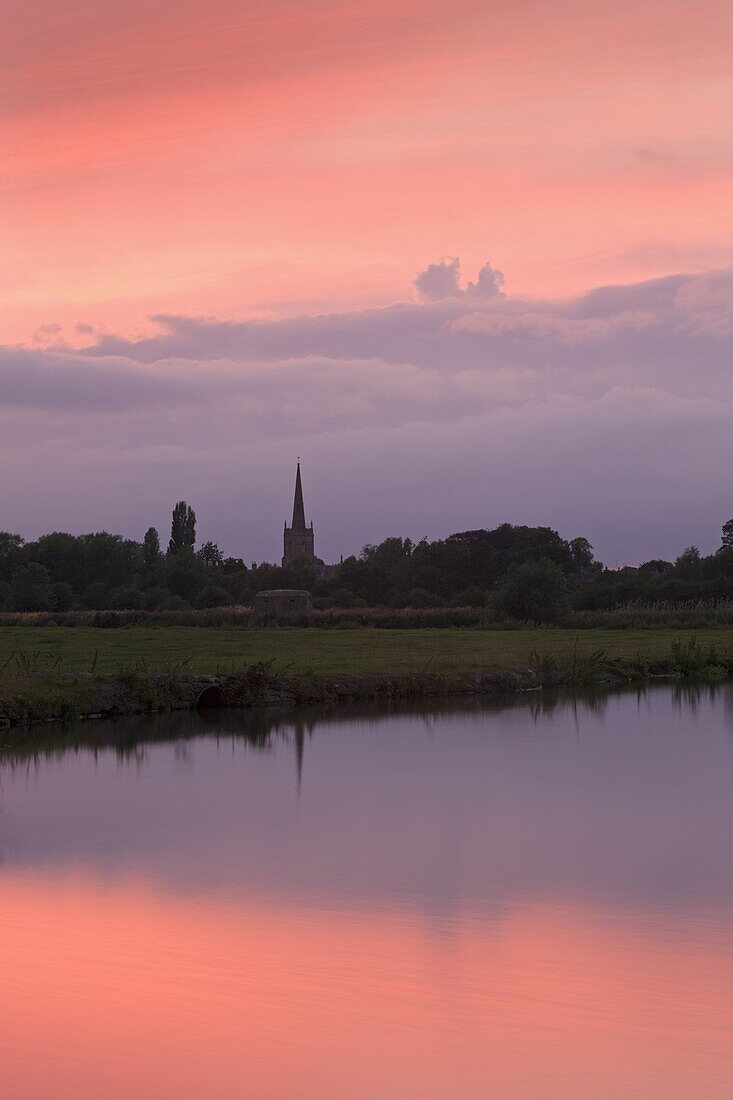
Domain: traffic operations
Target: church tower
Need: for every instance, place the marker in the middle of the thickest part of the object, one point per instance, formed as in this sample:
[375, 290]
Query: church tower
[298, 537]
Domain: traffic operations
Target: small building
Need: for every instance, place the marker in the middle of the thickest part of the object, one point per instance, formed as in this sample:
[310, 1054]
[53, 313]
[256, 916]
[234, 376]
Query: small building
[282, 603]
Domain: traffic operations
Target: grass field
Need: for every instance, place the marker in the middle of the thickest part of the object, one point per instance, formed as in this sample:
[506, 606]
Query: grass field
[348, 651]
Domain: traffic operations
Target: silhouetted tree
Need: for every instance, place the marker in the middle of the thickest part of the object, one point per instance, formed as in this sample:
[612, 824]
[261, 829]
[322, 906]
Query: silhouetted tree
[10, 547]
[213, 596]
[185, 573]
[31, 588]
[688, 563]
[126, 598]
[656, 565]
[727, 540]
[536, 590]
[63, 596]
[211, 555]
[95, 596]
[183, 528]
[582, 552]
[64, 556]
[233, 565]
[151, 547]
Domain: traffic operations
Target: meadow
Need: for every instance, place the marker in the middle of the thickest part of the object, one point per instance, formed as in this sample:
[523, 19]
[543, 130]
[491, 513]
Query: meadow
[352, 651]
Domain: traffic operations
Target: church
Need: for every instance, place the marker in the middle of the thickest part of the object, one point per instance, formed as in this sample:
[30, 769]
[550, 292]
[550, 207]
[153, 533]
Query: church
[298, 538]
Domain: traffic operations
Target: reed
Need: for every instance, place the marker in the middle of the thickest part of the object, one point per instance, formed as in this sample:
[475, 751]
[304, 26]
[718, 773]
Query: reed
[691, 615]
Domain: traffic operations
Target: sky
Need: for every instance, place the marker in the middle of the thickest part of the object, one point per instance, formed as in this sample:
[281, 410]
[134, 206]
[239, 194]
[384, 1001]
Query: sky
[472, 261]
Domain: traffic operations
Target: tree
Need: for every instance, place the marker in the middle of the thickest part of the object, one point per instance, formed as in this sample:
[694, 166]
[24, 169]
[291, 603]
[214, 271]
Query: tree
[10, 546]
[536, 590]
[185, 573]
[31, 588]
[582, 552]
[110, 559]
[728, 535]
[63, 555]
[656, 565]
[63, 596]
[173, 603]
[688, 563]
[213, 596]
[211, 555]
[183, 528]
[151, 547]
[367, 579]
[471, 597]
[342, 597]
[156, 597]
[419, 597]
[126, 598]
[391, 552]
[233, 565]
[95, 596]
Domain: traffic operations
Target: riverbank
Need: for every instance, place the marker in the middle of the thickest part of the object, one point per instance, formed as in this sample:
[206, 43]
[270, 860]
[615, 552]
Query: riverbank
[34, 687]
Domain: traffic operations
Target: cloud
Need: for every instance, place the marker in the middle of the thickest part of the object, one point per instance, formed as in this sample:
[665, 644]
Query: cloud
[443, 280]
[419, 419]
[487, 285]
[438, 281]
[550, 327]
[46, 334]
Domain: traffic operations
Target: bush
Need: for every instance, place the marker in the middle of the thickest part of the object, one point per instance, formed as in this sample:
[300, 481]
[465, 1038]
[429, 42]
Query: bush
[344, 597]
[126, 599]
[95, 596]
[536, 591]
[156, 597]
[30, 588]
[472, 597]
[63, 595]
[185, 574]
[420, 597]
[212, 596]
[174, 603]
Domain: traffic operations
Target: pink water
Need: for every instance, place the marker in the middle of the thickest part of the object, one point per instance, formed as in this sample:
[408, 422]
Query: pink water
[472, 904]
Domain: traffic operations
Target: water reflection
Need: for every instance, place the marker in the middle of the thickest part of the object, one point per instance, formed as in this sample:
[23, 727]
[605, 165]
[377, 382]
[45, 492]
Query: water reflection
[465, 900]
[130, 738]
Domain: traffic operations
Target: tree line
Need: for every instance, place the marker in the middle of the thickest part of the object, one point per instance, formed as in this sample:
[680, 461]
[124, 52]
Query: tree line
[522, 572]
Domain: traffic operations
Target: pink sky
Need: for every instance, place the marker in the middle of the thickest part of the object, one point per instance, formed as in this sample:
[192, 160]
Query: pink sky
[237, 158]
[270, 163]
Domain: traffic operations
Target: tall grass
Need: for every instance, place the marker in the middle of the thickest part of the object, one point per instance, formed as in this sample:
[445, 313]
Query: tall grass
[692, 615]
[634, 615]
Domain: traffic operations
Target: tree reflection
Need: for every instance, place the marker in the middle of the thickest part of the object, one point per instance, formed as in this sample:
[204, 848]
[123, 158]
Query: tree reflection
[262, 729]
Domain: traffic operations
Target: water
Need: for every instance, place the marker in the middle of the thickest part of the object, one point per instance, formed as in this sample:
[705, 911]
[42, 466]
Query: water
[532, 902]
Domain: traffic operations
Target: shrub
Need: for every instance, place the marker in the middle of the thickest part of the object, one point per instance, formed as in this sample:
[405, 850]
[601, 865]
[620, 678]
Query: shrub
[63, 595]
[95, 596]
[344, 597]
[420, 597]
[30, 588]
[536, 591]
[174, 603]
[126, 599]
[213, 596]
[156, 597]
[472, 597]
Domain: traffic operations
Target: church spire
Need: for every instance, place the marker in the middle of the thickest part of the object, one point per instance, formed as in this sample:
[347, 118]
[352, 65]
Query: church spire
[298, 539]
[298, 509]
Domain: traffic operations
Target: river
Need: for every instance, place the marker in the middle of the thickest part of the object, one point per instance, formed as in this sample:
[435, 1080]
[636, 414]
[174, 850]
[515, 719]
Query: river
[531, 901]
